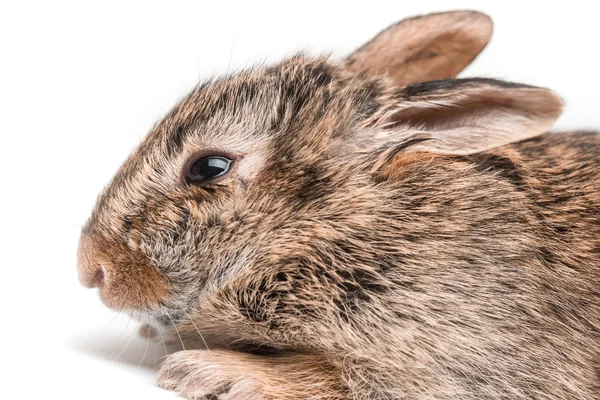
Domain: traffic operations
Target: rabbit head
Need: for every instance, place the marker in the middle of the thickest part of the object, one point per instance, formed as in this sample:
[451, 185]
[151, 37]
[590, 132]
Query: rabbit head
[272, 164]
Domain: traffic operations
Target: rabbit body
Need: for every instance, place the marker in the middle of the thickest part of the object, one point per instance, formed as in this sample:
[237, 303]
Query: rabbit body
[373, 239]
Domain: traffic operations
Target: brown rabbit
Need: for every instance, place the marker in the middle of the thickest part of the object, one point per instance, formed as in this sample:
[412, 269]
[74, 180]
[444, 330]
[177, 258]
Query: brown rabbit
[336, 230]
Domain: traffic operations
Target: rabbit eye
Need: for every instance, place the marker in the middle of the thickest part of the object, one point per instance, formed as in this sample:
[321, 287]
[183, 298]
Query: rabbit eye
[207, 168]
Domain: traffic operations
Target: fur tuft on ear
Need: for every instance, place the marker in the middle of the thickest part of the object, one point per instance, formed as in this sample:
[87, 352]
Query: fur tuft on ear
[429, 47]
[466, 116]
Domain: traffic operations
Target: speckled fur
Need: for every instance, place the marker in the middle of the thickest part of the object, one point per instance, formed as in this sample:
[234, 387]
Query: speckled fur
[317, 271]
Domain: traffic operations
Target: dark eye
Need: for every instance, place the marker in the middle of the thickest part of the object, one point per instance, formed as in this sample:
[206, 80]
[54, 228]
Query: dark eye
[207, 168]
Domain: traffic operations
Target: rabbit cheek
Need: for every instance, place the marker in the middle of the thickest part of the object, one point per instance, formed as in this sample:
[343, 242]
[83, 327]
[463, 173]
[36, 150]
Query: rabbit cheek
[125, 279]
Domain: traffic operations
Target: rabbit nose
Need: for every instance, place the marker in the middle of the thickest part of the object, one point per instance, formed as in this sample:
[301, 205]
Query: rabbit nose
[91, 273]
[98, 279]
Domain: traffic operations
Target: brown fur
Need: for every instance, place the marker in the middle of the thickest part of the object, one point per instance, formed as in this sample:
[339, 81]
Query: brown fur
[348, 254]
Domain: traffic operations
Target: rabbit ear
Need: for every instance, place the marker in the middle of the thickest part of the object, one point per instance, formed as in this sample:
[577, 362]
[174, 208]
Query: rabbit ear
[430, 47]
[466, 116]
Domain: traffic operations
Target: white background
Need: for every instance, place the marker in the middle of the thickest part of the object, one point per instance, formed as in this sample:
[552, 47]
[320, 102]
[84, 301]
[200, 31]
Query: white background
[80, 85]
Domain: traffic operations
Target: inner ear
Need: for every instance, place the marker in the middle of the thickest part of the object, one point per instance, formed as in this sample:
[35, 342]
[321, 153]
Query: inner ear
[460, 117]
[478, 109]
[461, 113]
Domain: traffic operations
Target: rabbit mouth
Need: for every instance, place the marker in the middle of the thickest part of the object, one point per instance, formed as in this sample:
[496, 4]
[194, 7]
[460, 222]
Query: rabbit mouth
[125, 279]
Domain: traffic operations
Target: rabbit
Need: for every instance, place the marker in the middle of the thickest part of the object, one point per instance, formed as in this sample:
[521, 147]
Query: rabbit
[363, 228]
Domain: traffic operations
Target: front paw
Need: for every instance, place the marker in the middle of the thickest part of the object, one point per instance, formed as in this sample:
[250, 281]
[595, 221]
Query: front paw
[203, 374]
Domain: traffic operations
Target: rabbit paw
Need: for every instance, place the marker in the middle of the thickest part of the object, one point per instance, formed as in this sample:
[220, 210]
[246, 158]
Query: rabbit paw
[200, 374]
[233, 375]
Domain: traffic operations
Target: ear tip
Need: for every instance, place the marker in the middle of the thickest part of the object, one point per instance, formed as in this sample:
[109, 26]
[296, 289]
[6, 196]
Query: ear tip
[548, 102]
[477, 22]
[473, 26]
[468, 13]
[469, 20]
[558, 103]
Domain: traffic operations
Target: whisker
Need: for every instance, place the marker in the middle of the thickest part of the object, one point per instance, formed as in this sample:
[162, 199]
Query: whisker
[181, 308]
[147, 341]
[197, 330]
[231, 55]
[176, 330]
[158, 323]
[161, 338]
[128, 340]
[126, 326]
[120, 309]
